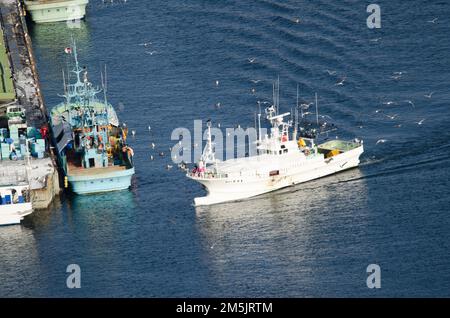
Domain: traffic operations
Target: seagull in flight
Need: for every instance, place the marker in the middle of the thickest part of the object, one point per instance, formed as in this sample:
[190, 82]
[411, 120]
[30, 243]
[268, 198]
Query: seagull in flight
[381, 141]
[145, 44]
[411, 103]
[378, 111]
[375, 40]
[420, 122]
[330, 72]
[389, 103]
[433, 21]
[251, 59]
[395, 77]
[429, 95]
[151, 53]
[392, 117]
[306, 105]
[341, 82]
[256, 81]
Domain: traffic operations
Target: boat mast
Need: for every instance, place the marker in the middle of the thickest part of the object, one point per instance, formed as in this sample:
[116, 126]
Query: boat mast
[317, 111]
[105, 89]
[296, 117]
[278, 95]
[259, 122]
[208, 155]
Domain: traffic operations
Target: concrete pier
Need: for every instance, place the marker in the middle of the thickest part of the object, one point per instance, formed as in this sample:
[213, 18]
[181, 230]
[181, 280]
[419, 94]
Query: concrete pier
[41, 174]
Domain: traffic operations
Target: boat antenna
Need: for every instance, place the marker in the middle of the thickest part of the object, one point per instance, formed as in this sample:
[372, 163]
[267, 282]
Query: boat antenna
[75, 56]
[273, 95]
[259, 121]
[104, 85]
[317, 111]
[64, 83]
[278, 94]
[296, 111]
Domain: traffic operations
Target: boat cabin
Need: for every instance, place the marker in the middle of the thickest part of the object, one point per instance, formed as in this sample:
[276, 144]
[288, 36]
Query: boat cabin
[13, 195]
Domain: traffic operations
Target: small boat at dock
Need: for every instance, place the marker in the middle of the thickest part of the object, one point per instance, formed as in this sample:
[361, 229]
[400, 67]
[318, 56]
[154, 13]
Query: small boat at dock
[15, 204]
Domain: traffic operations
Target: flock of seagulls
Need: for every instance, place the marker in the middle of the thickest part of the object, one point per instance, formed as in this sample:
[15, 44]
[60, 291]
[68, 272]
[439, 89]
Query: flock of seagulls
[393, 117]
[341, 82]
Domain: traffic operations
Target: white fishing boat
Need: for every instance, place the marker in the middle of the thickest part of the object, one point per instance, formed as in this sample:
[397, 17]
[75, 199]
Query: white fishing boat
[15, 204]
[282, 160]
[43, 11]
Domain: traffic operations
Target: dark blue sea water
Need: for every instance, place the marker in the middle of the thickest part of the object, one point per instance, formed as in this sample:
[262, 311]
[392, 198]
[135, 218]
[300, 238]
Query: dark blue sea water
[312, 240]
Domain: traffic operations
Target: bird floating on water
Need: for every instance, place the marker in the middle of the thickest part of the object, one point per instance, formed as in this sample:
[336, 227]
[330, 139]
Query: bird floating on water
[153, 145]
[381, 141]
[150, 52]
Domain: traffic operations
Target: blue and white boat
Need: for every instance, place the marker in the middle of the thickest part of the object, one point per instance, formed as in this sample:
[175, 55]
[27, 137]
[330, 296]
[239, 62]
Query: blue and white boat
[91, 144]
[15, 204]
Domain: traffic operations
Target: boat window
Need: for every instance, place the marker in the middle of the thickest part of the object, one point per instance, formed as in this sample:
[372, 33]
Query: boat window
[280, 152]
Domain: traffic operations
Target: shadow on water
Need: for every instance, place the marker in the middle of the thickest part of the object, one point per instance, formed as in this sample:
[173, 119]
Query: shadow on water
[85, 228]
[284, 241]
[20, 261]
[51, 36]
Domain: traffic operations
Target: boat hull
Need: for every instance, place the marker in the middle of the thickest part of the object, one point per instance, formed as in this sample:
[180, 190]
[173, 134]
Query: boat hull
[89, 184]
[56, 11]
[225, 190]
[14, 213]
